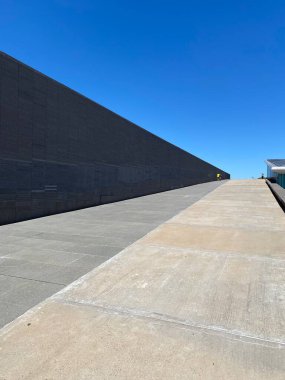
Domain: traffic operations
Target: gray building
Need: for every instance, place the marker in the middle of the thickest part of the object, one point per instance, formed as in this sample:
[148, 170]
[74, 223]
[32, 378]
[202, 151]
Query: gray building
[276, 169]
[61, 151]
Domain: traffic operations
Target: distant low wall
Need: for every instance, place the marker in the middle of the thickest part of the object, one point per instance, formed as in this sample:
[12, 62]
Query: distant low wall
[60, 151]
[278, 192]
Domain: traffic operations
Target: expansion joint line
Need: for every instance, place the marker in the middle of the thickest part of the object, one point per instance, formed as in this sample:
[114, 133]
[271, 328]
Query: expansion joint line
[178, 323]
[31, 279]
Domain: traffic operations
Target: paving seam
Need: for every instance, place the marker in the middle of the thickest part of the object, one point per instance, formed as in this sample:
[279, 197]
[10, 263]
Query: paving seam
[31, 279]
[46, 263]
[64, 241]
[180, 323]
[214, 253]
[244, 227]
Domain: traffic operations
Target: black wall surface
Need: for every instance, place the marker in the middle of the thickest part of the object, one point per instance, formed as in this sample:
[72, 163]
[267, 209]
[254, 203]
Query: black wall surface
[60, 151]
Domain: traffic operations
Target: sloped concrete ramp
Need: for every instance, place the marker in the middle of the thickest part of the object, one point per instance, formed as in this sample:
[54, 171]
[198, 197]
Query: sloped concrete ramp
[200, 297]
[39, 257]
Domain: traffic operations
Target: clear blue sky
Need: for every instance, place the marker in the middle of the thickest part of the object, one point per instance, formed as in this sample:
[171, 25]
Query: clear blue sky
[208, 76]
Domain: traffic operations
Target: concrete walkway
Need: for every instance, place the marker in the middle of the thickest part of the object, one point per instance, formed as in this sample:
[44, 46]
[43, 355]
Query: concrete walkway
[200, 297]
[41, 256]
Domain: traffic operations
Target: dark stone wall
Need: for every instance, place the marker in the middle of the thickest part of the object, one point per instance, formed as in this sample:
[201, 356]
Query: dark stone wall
[60, 151]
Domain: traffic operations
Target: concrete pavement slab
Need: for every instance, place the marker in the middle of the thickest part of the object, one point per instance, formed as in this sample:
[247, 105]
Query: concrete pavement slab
[219, 239]
[236, 219]
[92, 344]
[222, 292]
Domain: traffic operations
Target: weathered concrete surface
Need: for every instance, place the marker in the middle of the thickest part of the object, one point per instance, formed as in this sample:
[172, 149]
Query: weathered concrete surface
[39, 257]
[200, 297]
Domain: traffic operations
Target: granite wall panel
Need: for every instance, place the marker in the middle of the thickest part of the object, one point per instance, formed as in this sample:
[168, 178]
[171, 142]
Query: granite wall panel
[60, 151]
